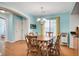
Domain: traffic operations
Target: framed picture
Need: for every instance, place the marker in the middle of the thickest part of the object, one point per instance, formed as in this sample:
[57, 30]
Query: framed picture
[33, 26]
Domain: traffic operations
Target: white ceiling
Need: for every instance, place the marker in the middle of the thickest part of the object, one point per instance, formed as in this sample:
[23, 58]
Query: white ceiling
[33, 8]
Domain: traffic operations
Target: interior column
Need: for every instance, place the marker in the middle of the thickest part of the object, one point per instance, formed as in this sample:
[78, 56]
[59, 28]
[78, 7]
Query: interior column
[43, 29]
[57, 25]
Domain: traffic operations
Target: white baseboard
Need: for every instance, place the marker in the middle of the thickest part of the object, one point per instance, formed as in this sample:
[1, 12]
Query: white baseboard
[12, 41]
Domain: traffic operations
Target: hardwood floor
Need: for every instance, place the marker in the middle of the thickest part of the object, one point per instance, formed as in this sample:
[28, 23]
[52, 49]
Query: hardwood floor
[67, 51]
[19, 48]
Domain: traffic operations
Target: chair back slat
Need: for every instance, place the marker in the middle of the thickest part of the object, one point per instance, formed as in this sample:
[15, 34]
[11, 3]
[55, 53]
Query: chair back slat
[57, 46]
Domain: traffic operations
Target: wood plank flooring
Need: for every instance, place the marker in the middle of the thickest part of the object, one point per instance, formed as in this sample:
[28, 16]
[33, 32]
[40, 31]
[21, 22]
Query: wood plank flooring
[67, 51]
[19, 48]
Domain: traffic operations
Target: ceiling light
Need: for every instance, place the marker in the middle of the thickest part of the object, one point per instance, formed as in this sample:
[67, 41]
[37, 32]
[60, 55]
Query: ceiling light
[2, 11]
[38, 19]
[41, 19]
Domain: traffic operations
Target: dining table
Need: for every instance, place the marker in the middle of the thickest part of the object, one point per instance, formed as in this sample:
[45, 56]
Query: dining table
[44, 38]
[44, 42]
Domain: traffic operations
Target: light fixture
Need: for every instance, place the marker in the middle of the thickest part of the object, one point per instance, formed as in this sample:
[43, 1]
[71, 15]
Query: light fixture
[2, 11]
[41, 19]
[38, 19]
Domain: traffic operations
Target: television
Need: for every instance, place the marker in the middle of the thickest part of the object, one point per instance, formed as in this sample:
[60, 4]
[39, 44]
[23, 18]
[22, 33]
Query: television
[33, 26]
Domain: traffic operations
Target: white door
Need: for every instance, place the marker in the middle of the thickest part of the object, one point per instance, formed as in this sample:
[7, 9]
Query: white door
[25, 27]
[18, 29]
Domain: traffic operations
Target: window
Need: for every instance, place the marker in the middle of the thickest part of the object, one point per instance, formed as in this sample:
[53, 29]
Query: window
[2, 26]
[50, 26]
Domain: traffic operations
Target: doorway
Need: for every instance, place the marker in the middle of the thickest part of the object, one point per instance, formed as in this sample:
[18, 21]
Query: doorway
[3, 34]
[3, 28]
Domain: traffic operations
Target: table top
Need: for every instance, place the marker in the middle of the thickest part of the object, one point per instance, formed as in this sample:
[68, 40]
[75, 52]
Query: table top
[44, 38]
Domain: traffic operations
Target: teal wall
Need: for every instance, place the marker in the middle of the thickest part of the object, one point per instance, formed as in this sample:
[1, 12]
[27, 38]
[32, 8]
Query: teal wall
[33, 21]
[10, 28]
[64, 21]
[11, 19]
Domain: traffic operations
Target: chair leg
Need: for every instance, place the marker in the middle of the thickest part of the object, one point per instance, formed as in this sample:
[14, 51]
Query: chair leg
[27, 52]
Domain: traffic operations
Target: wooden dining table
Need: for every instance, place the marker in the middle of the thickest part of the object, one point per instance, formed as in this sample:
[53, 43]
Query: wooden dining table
[44, 38]
[44, 44]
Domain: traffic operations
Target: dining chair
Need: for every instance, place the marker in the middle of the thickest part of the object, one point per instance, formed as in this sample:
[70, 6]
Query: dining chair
[31, 34]
[32, 46]
[49, 34]
[43, 47]
[55, 49]
[50, 43]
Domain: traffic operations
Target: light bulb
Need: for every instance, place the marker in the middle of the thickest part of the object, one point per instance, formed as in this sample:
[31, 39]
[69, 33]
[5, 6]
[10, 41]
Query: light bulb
[38, 19]
[2, 11]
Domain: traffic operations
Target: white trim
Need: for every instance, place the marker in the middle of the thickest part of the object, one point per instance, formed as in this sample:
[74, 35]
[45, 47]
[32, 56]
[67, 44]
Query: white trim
[13, 10]
[12, 41]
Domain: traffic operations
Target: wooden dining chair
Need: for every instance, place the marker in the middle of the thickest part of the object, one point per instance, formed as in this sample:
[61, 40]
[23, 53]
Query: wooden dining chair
[32, 46]
[31, 34]
[50, 43]
[49, 34]
[43, 47]
[55, 49]
[57, 46]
